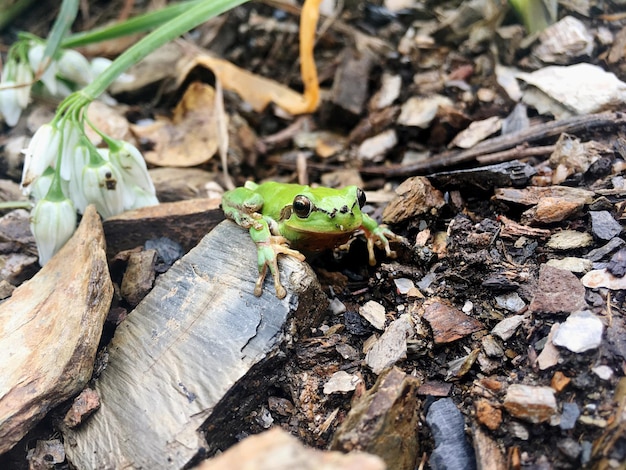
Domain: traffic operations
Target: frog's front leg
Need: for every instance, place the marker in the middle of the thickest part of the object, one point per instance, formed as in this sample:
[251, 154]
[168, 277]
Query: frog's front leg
[379, 235]
[268, 248]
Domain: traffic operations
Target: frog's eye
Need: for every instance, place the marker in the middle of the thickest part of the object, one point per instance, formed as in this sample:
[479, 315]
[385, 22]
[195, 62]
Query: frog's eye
[360, 196]
[302, 206]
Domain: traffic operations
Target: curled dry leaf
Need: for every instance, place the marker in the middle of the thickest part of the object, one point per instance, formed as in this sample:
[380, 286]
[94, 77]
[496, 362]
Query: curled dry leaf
[190, 137]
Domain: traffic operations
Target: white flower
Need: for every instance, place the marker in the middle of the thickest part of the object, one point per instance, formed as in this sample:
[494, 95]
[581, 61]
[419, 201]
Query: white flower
[23, 77]
[102, 185]
[75, 185]
[100, 64]
[40, 153]
[132, 166]
[141, 198]
[9, 106]
[40, 187]
[71, 133]
[52, 224]
[75, 67]
[49, 79]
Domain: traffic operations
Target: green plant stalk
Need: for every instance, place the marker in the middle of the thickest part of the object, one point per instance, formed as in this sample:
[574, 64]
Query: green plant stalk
[137, 24]
[179, 25]
[65, 18]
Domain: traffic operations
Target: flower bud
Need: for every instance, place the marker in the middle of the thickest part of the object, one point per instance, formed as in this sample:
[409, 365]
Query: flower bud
[9, 106]
[132, 166]
[102, 186]
[52, 224]
[40, 153]
[75, 67]
[23, 77]
[35, 58]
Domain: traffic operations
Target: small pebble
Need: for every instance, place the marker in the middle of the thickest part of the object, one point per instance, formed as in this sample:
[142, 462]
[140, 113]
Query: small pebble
[604, 372]
[374, 313]
[569, 240]
[582, 331]
[507, 327]
[337, 306]
[468, 306]
[341, 382]
[404, 285]
[603, 225]
[536, 404]
[511, 302]
[569, 415]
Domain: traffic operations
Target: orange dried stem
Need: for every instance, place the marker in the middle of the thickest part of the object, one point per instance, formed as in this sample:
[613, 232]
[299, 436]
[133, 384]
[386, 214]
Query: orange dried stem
[308, 26]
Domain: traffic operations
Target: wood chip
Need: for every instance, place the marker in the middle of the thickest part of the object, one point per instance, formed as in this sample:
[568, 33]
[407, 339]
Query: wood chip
[50, 328]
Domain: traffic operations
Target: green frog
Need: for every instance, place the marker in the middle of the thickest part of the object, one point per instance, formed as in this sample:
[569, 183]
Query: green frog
[284, 218]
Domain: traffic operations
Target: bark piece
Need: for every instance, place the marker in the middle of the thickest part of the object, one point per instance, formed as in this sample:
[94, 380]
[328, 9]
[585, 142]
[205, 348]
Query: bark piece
[414, 197]
[384, 421]
[350, 84]
[447, 322]
[174, 359]
[184, 221]
[278, 450]
[50, 329]
[83, 406]
[139, 276]
[488, 454]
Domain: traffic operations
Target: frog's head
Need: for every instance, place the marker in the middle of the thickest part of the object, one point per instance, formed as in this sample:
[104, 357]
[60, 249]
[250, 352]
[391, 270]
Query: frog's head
[323, 216]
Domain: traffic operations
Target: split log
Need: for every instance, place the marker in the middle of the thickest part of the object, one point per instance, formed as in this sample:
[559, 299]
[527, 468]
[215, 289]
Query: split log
[175, 361]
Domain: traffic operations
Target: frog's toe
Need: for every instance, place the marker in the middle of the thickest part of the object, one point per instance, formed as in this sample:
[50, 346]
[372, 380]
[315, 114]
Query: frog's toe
[258, 286]
[281, 293]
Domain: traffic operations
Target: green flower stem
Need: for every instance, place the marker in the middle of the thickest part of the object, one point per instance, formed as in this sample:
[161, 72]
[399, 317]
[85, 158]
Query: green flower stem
[55, 193]
[137, 24]
[16, 205]
[184, 22]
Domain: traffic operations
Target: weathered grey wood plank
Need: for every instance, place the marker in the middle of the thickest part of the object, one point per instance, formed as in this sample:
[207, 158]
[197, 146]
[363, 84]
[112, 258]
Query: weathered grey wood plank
[177, 355]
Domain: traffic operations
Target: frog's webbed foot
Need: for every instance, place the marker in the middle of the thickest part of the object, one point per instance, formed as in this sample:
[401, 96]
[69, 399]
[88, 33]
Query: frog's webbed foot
[380, 236]
[268, 252]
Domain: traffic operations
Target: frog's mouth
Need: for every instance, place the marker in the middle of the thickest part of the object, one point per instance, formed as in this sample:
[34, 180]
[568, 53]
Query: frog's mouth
[320, 241]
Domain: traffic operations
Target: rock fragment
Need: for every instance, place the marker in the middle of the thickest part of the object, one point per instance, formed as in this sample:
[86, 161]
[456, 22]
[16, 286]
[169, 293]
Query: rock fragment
[452, 450]
[374, 313]
[604, 226]
[536, 404]
[569, 240]
[558, 291]
[507, 327]
[603, 278]
[391, 346]
[582, 331]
